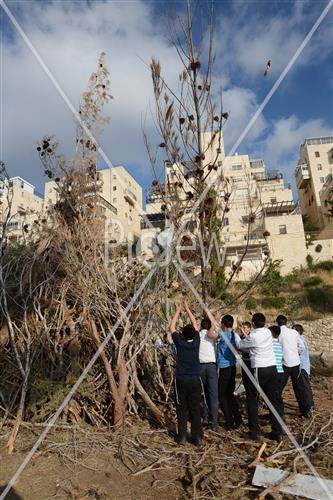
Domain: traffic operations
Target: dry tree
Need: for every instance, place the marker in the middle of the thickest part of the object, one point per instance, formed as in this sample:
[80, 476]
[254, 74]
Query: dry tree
[196, 193]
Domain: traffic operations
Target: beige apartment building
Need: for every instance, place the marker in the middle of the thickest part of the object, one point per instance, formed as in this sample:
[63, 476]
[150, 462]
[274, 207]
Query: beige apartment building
[314, 174]
[25, 205]
[120, 198]
[277, 227]
[314, 167]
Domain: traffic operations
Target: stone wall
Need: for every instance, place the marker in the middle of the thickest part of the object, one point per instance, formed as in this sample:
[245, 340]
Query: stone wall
[319, 334]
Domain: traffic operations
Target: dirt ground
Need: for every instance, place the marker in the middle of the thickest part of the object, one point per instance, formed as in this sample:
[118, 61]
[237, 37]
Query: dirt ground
[145, 463]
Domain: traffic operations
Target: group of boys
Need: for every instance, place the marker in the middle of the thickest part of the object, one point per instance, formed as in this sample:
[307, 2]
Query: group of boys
[206, 366]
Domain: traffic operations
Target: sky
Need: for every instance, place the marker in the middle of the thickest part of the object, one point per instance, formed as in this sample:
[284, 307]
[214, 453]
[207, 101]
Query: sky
[70, 35]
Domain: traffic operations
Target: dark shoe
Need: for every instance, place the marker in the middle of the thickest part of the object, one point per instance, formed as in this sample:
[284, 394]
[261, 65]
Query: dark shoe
[228, 427]
[205, 421]
[307, 414]
[275, 437]
[253, 437]
[237, 424]
[182, 440]
[197, 441]
[214, 428]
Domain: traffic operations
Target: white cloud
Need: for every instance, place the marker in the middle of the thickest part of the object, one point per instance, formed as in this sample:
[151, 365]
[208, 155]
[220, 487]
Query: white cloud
[70, 37]
[248, 38]
[280, 148]
[242, 104]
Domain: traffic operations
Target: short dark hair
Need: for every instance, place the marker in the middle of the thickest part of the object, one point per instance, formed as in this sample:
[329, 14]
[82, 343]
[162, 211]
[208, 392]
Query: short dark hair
[281, 320]
[276, 330]
[259, 320]
[188, 332]
[227, 321]
[299, 328]
[246, 323]
[206, 323]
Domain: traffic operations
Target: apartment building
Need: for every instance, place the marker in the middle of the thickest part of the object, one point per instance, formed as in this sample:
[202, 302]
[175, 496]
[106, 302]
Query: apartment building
[24, 203]
[120, 199]
[314, 174]
[276, 229]
[314, 167]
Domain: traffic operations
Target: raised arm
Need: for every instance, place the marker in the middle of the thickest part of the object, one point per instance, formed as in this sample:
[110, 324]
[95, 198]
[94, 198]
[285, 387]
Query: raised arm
[212, 332]
[191, 316]
[173, 324]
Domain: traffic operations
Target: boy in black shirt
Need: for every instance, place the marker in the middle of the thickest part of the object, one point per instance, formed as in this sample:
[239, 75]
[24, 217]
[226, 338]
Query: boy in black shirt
[187, 384]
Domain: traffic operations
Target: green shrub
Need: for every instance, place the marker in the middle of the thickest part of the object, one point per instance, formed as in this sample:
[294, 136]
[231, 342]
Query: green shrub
[318, 248]
[326, 265]
[250, 303]
[272, 282]
[321, 299]
[292, 305]
[273, 302]
[312, 281]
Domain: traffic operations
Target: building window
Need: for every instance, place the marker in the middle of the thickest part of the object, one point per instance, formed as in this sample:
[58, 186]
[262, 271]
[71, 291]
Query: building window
[237, 167]
[317, 155]
[283, 229]
[320, 167]
[322, 180]
[218, 151]
[312, 198]
[114, 188]
[226, 221]
[273, 200]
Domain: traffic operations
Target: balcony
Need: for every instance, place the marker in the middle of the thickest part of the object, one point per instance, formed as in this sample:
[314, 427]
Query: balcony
[302, 175]
[130, 197]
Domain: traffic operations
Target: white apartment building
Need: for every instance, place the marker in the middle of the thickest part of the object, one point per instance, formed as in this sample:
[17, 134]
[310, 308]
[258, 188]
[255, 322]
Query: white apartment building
[120, 197]
[19, 196]
[314, 167]
[314, 180]
[277, 227]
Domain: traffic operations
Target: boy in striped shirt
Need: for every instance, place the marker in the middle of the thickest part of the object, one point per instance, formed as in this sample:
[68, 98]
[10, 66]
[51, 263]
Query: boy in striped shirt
[277, 348]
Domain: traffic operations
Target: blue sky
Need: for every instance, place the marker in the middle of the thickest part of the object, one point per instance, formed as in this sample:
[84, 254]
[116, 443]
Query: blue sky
[70, 35]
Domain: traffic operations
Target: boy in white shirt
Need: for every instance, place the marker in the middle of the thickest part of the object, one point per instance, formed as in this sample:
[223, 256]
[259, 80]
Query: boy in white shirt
[292, 347]
[209, 377]
[259, 342]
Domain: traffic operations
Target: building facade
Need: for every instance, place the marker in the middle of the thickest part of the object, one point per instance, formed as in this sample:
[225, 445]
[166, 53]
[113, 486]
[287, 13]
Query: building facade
[314, 167]
[25, 205]
[314, 180]
[120, 198]
[276, 226]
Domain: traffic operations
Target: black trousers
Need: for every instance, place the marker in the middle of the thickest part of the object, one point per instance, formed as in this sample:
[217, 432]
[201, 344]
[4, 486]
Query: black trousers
[301, 387]
[245, 377]
[308, 389]
[228, 401]
[188, 406]
[279, 388]
[210, 385]
[268, 382]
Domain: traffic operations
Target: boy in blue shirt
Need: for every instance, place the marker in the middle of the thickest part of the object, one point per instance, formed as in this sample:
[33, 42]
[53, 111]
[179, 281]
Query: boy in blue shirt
[226, 364]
